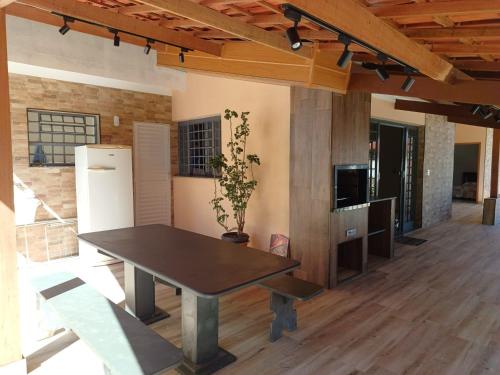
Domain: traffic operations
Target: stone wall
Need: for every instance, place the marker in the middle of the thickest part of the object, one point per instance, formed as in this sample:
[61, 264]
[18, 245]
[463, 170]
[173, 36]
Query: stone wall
[54, 187]
[437, 170]
[487, 163]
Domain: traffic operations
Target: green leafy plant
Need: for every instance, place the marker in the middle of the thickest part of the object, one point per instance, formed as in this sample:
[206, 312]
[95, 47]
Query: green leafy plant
[234, 179]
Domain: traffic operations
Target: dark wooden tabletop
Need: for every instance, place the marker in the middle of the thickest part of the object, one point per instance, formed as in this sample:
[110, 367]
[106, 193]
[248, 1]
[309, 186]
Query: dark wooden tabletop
[205, 265]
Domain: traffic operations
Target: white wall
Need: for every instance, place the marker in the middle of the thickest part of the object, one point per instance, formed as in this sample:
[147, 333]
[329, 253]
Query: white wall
[38, 49]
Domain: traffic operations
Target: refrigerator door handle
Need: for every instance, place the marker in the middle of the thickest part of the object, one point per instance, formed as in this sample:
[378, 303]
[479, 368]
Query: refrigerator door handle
[101, 169]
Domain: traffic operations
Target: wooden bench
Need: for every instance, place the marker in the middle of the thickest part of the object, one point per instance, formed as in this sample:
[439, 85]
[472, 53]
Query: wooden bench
[124, 344]
[284, 290]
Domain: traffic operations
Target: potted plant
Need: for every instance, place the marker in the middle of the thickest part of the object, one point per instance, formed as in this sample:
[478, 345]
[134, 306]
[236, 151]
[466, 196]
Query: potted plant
[234, 180]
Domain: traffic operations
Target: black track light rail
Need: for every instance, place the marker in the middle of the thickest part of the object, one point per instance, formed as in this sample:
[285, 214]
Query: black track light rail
[116, 31]
[347, 36]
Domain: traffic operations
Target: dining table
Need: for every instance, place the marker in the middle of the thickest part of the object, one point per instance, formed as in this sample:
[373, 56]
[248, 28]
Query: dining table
[205, 268]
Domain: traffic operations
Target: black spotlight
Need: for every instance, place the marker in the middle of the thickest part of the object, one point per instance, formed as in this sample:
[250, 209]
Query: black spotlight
[409, 81]
[497, 117]
[475, 109]
[65, 28]
[116, 39]
[346, 56]
[147, 48]
[182, 58]
[382, 73]
[294, 38]
[292, 33]
[486, 113]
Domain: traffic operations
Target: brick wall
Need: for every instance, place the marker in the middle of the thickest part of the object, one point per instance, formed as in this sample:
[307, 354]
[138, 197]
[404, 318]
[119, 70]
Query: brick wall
[437, 170]
[56, 186]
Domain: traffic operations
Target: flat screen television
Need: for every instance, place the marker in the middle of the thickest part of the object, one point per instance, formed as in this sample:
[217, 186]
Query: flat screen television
[350, 185]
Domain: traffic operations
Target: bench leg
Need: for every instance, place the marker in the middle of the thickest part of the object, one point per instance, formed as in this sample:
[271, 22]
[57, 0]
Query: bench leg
[285, 316]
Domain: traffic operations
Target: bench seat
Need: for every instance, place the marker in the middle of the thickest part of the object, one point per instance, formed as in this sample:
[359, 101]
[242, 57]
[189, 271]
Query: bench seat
[284, 290]
[124, 344]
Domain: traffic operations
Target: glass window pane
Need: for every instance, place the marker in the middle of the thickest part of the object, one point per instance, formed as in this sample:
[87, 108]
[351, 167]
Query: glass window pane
[57, 128]
[32, 116]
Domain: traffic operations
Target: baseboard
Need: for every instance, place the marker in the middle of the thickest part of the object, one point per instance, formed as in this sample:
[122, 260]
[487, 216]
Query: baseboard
[15, 368]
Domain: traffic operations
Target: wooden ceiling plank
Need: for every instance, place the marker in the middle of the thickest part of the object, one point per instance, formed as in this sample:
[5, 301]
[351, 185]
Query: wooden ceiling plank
[213, 18]
[126, 23]
[358, 21]
[135, 9]
[438, 8]
[37, 15]
[476, 33]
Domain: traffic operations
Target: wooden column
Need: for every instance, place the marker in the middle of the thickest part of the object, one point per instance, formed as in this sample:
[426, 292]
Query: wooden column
[495, 164]
[10, 342]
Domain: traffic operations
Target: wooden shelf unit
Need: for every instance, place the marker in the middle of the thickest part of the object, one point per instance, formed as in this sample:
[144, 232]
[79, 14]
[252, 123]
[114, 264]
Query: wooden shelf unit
[381, 227]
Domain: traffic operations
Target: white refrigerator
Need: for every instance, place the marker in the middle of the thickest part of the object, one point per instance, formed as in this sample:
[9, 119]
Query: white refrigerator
[104, 194]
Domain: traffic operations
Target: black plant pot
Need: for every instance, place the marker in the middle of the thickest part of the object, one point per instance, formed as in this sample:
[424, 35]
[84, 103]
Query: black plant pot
[233, 237]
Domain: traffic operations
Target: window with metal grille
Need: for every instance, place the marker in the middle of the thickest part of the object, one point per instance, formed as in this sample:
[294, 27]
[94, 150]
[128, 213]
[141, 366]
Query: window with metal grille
[199, 141]
[52, 136]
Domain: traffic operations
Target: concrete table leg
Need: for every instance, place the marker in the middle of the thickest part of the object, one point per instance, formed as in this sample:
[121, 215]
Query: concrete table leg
[285, 316]
[200, 336]
[140, 295]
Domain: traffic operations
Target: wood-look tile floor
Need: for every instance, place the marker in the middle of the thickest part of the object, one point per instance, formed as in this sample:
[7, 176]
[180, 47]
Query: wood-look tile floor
[435, 309]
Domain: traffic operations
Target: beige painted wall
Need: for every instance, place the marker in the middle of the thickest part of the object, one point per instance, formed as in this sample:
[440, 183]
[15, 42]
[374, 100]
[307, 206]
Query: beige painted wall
[383, 109]
[474, 134]
[269, 107]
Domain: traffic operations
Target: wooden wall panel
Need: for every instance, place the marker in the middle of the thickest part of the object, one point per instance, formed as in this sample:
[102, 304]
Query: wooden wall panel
[310, 180]
[351, 128]
[10, 344]
[495, 164]
[350, 138]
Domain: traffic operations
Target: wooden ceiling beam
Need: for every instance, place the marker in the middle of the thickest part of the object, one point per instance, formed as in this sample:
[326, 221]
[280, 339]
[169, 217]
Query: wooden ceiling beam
[358, 21]
[215, 19]
[438, 8]
[253, 61]
[463, 91]
[4, 3]
[455, 113]
[113, 20]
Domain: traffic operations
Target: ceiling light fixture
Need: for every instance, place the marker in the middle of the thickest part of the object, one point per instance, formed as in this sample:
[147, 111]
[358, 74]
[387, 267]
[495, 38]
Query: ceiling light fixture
[409, 81]
[497, 117]
[346, 55]
[475, 109]
[65, 28]
[295, 14]
[147, 48]
[116, 38]
[182, 58]
[292, 33]
[486, 113]
[381, 71]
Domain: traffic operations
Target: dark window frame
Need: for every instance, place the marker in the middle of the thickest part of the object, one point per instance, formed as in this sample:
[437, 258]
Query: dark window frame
[198, 141]
[82, 133]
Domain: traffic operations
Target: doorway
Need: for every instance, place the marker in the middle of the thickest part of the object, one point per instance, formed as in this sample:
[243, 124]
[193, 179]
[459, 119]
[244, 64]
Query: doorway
[465, 171]
[393, 169]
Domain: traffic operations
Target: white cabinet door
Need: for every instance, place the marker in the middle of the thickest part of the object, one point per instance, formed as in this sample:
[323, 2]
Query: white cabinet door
[152, 174]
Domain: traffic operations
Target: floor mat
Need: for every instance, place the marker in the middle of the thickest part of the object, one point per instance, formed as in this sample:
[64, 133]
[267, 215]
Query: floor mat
[405, 240]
